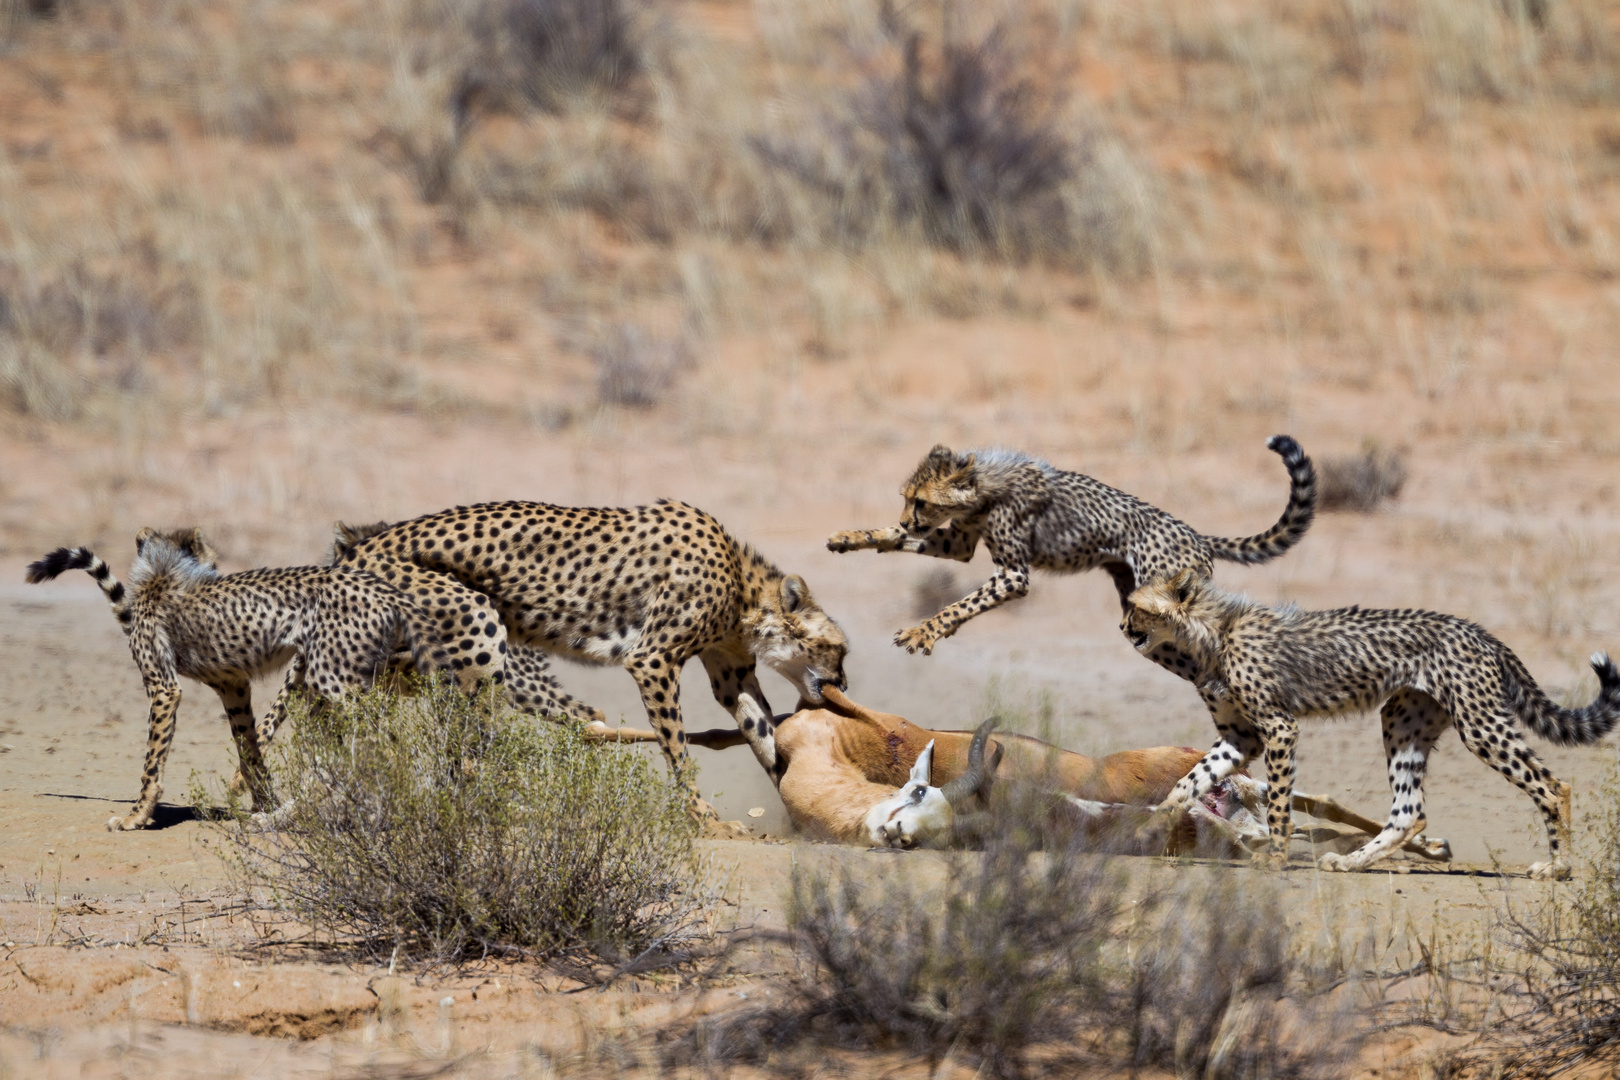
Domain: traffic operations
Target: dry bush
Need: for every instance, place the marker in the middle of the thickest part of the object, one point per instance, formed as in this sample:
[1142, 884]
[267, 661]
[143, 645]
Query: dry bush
[1216, 987]
[442, 828]
[1508, 50]
[1556, 972]
[635, 366]
[1360, 483]
[970, 140]
[211, 297]
[1037, 962]
[552, 51]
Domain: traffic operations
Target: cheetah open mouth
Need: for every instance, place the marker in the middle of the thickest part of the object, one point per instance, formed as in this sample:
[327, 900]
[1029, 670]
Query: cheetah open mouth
[1138, 638]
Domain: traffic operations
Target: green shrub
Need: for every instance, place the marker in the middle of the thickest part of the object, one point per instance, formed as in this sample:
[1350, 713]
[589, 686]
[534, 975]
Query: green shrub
[441, 828]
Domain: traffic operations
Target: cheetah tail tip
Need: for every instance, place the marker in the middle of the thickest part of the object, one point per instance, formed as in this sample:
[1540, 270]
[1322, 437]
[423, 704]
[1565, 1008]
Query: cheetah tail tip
[1603, 666]
[51, 566]
[1284, 445]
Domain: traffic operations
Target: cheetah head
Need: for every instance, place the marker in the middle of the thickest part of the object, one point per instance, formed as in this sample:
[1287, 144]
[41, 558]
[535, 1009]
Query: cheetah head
[943, 487]
[798, 640]
[183, 556]
[346, 537]
[1173, 611]
[188, 543]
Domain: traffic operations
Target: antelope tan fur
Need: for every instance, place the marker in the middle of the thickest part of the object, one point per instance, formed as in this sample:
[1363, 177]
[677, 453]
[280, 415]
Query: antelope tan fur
[843, 760]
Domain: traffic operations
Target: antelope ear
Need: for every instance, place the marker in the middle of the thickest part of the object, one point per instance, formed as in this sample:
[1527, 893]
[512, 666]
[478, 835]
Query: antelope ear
[924, 769]
[795, 594]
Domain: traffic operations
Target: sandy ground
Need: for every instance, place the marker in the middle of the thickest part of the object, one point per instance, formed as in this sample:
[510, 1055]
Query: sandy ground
[80, 992]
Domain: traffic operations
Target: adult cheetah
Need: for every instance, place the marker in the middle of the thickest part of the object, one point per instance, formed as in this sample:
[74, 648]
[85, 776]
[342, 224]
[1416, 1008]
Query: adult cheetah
[1426, 670]
[338, 627]
[1032, 515]
[648, 587]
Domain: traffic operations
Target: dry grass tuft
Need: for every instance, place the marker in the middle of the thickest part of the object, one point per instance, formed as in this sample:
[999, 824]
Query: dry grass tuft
[1361, 483]
[1029, 963]
[1557, 981]
[441, 829]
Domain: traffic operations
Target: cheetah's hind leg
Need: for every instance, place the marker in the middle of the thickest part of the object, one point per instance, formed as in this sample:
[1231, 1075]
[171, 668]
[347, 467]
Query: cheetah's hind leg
[532, 688]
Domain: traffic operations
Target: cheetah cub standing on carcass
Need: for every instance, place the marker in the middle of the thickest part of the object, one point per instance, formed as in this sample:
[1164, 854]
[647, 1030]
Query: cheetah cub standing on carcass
[182, 617]
[1032, 515]
[1427, 670]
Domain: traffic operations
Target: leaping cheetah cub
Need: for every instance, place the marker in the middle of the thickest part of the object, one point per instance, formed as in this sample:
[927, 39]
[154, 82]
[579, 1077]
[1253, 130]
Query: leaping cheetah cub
[1427, 670]
[182, 617]
[647, 588]
[1032, 515]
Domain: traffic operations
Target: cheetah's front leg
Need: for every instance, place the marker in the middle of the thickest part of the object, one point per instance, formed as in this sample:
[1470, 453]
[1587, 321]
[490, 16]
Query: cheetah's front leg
[164, 699]
[658, 677]
[1280, 733]
[1237, 745]
[941, 542]
[1008, 583]
[737, 689]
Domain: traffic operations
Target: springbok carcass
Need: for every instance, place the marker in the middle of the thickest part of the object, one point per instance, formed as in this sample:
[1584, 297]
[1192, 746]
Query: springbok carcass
[857, 775]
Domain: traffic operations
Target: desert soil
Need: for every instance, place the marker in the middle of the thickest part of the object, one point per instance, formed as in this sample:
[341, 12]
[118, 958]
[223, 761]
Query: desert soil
[1351, 251]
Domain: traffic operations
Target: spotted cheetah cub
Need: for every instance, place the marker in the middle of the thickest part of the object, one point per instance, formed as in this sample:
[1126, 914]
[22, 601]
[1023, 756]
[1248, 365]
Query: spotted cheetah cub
[1032, 515]
[183, 617]
[1426, 670]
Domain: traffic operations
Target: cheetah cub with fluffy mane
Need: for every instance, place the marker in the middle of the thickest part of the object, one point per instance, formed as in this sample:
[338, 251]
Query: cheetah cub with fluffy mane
[1033, 515]
[1427, 670]
[182, 617]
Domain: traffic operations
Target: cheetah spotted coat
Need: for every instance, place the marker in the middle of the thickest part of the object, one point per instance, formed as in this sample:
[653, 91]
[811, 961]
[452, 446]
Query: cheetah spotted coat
[647, 587]
[339, 628]
[1426, 670]
[1032, 516]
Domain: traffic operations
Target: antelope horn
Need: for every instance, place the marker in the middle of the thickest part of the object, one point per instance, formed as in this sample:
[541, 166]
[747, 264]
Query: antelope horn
[978, 773]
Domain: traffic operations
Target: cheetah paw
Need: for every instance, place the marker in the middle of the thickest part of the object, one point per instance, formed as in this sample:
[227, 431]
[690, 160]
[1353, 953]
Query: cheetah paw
[845, 541]
[917, 639]
[1269, 860]
[1558, 870]
[129, 822]
[1334, 862]
[715, 829]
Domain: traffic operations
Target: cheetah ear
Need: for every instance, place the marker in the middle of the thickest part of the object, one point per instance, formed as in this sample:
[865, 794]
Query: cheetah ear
[142, 537]
[795, 594]
[1183, 585]
[940, 455]
[195, 544]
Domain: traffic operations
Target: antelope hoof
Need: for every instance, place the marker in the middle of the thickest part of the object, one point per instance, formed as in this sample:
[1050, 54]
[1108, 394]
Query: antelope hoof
[1436, 848]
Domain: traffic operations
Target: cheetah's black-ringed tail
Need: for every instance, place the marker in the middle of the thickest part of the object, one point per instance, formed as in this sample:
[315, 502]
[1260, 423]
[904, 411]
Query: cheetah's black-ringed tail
[62, 560]
[1296, 516]
[1566, 727]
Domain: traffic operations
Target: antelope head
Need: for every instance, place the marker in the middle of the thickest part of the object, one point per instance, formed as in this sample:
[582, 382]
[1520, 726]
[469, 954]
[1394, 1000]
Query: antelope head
[920, 814]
